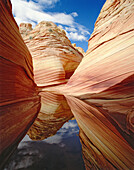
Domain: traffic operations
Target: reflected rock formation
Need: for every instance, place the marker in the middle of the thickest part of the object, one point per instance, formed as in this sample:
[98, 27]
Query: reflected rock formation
[53, 114]
[19, 100]
[100, 93]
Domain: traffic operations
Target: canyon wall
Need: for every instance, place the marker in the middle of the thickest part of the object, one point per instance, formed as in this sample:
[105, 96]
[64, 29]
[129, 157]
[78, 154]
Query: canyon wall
[19, 100]
[101, 91]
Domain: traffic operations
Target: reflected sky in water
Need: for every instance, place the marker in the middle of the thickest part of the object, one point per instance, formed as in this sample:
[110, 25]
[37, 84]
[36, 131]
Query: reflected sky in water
[59, 152]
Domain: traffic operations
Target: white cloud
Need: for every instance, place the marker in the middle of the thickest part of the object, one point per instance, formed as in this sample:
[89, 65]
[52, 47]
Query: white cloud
[70, 124]
[74, 14]
[63, 18]
[75, 36]
[77, 32]
[56, 139]
[69, 129]
[33, 12]
[83, 30]
[47, 2]
[71, 29]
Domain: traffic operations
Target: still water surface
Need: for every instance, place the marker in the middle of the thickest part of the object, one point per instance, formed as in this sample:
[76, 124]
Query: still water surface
[59, 152]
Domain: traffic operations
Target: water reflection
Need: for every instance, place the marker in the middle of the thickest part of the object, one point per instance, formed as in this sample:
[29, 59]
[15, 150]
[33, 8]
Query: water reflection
[103, 147]
[61, 151]
[53, 114]
[47, 145]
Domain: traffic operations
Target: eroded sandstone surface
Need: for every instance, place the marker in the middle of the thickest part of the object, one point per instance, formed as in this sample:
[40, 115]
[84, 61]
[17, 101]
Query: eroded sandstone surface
[100, 93]
[54, 57]
[102, 89]
[19, 100]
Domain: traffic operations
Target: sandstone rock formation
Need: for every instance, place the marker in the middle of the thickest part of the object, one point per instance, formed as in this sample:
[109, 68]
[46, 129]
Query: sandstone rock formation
[78, 48]
[102, 89]
[19, 100]
[25, 28]
[55, 60]
[100, 93]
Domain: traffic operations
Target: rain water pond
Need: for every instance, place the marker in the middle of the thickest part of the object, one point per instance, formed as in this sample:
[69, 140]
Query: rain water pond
[60, 152]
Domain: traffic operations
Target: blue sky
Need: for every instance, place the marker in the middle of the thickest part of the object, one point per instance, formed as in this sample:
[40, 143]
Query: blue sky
[76, 17]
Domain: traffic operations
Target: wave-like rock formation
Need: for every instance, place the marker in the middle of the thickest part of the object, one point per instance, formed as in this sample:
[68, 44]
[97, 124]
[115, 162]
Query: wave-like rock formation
[101, 91]
[54, 57]
[19, 100]
[55, 60]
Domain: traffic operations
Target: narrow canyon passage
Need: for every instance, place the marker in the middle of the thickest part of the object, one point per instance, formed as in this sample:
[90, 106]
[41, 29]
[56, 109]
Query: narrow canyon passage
[46, 81]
